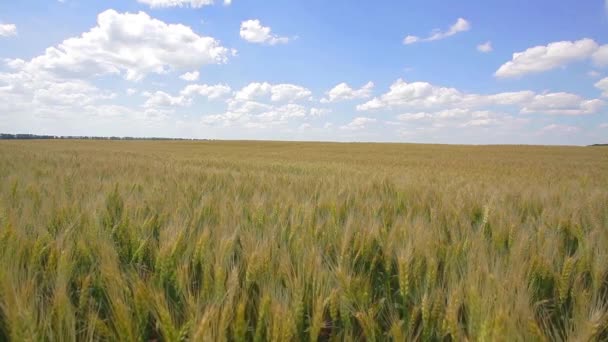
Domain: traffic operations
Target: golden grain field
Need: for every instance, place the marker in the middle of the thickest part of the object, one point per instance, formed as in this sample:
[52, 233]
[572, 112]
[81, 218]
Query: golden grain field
[273, 241]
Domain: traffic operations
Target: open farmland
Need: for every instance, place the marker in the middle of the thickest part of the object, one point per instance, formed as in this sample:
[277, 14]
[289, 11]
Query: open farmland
[239, 241]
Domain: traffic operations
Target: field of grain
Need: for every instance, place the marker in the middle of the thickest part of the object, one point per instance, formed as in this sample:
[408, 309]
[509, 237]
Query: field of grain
[240, 241]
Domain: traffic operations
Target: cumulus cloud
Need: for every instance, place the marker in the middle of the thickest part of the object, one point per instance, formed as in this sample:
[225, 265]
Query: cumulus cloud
[162, 99]
[41, 89]
[416, 94]
[485, 47]
[343, 92]
[7, 30]
[41, 102]
[600, 57]
[254, 32]
[603, 86]
[253, 90]
[561, 104]
[186, 95]
[423, 95]
[132, 45]
[176, 3]
[211, 92]
[547, 57]
[278, 92]
[190, 76]
[456, 119]
[461, 25]
[288, 92]
[253, 114]
[358, 123]
[282, 113]
[262, 105]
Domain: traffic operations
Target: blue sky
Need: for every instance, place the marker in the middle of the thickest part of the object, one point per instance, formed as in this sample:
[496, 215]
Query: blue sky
[481, 72]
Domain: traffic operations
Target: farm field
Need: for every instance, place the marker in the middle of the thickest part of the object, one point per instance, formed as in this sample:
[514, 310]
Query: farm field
[284, 241]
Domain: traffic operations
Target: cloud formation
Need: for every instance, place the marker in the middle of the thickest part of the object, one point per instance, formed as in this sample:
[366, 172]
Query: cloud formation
[423, 95]
[485, 47]
[603, 86]
[254, 32]
[343, 91]
[461, 25]
[8, 30]
[551, 56]
[284, 92]
[128, 44]
[190, 76]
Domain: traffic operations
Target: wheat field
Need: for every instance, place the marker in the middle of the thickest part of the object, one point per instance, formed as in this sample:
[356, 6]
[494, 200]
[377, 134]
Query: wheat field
[285, 241]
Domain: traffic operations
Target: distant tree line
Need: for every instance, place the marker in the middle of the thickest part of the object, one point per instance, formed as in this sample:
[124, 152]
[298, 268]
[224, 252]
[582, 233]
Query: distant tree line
[6, 136]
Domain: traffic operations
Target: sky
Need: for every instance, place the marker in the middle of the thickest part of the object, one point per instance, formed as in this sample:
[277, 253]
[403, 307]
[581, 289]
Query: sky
[472, 72]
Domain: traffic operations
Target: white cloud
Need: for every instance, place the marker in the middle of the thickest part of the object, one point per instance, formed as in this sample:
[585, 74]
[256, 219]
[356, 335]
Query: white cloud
[176, 3]
[131, 91]
[455, 118]
[211, 92]
[603, 86]
[245, 108]
[282, 113]
[227, 2]
[7, 30]
[304, 126]
[593, 73]
[358, 123]
[603, 125]
[343, 91]
[542, 58]
[289, 92]
[186, 96]
[162, 99]
[416, 94]
[253, 32]
[485, 47]
[423, 95]
[253, 90]
[410, 39]
[600, 57]
[562, 104]
[41, 102]
[190, 76]
[43, 90]
[461, 25]
[278, 93]
[133, 45]
[251, 114]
